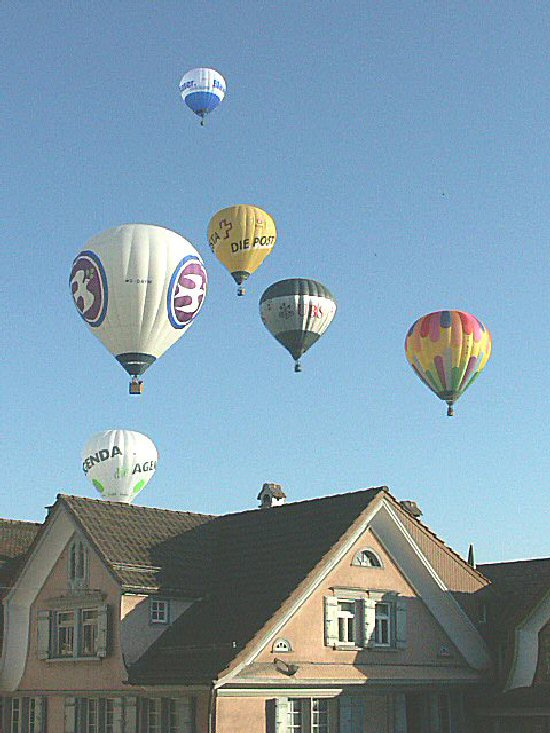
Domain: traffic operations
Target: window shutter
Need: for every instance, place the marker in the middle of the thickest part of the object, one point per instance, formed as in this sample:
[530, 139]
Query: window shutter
[370, 621]
[43, 634]
[38, 715]
[43, 707]
[102, 630]
[400, 712]
[117, 714]
[70, 715]
[352, 714]
[143, 713]
[331, 620]
[401, 623]
[184, 714]
[165, 713]
[433, 712]
[345, 714]
[281, 715]
[130, 715]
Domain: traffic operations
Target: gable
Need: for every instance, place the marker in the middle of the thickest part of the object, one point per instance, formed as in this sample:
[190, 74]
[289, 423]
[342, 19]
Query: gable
[413, 565]
[426, 643]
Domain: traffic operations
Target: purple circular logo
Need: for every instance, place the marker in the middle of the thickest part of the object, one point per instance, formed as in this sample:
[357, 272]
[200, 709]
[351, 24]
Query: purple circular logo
[89, 288]
[186, 291]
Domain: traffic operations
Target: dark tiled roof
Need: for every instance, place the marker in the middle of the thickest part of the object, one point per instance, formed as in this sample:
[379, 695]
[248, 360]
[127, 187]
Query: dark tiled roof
[15, 539]
[146, 549]
[259, 557]
[516, 588]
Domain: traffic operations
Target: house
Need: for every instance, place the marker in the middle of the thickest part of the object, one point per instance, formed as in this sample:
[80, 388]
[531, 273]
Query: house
[344, 614]
[516, 625]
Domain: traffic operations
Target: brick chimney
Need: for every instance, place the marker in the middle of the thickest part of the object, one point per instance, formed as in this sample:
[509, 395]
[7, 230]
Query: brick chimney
[271, 495]
[412, 508]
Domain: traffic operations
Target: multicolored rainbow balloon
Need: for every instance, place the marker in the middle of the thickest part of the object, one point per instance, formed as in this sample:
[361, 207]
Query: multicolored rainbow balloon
[448, 350]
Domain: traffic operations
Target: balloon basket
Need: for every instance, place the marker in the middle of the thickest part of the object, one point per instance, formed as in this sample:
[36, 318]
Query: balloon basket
[450, 411]
[136, 387]
[297, 368]
[241, 291]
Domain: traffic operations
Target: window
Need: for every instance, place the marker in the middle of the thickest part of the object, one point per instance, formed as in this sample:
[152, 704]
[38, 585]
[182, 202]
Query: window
[159, 611]
[167, 715]
[78, 565]
[294, 716]
[347, 633]
[373, 619]
[88, 646]
[382, 627]
[64, 624]
[76, 633]
[281, 645]
[302, 715]
[367, 558]
[25, 715]
[319, 716]
[97, 714]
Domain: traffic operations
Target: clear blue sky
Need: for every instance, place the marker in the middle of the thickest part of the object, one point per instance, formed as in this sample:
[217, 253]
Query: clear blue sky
[403, 150]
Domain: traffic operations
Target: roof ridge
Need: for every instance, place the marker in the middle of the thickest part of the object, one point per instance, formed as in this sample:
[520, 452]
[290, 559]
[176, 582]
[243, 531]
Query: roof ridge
[514, 562]
[21, 521]
[255, 510]
[130, 507]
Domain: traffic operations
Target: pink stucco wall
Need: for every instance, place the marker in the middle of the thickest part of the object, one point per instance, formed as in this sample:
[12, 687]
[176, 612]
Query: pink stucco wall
[305, 630]
[66, 675]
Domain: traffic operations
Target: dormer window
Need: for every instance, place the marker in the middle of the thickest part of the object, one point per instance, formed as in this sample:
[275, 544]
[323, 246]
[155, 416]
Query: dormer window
[78, 565]
[367, 558]
[159, 611]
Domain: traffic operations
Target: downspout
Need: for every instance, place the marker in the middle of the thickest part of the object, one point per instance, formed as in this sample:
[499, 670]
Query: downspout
[212, 698]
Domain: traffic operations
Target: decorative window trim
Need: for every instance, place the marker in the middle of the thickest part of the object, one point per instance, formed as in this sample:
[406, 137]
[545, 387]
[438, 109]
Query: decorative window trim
[281, 646]
[385, 631]
[155, 605]
[368, 558]
[47, 624]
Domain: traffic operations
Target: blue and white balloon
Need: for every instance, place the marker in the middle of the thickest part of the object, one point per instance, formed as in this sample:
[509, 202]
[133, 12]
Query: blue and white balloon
[202, 90]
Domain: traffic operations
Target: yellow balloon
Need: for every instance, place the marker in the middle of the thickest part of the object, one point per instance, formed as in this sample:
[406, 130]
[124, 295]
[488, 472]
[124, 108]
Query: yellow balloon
[241, 237]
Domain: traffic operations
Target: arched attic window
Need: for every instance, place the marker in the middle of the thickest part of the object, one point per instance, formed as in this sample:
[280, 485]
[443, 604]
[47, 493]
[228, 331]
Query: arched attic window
[78, 564]
[282, 645]
[367, 558]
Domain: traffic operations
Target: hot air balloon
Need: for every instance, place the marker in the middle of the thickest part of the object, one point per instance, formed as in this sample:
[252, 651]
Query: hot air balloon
[138, 288]
[448, 350]
[119, 463]
[202, 90]
[297, 312]
[241, 237]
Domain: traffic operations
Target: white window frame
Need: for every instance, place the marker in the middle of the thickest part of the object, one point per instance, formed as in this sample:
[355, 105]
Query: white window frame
[281, 646]
[383, 612]
[299, 714]
[347, 622]
[159, 611]
[167, 715]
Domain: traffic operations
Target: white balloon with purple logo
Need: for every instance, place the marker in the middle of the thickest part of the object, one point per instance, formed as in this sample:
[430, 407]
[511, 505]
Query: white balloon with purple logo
[138, 287]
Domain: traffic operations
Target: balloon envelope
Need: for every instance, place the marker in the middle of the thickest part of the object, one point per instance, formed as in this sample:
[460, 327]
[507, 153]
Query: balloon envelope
[242, 237]
[138, 288]
[448, 350]
[297, 312]
[119, 463]
[202, 90]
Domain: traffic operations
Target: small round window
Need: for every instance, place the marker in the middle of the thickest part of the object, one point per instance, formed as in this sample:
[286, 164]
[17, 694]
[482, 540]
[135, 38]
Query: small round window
[282, 645]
